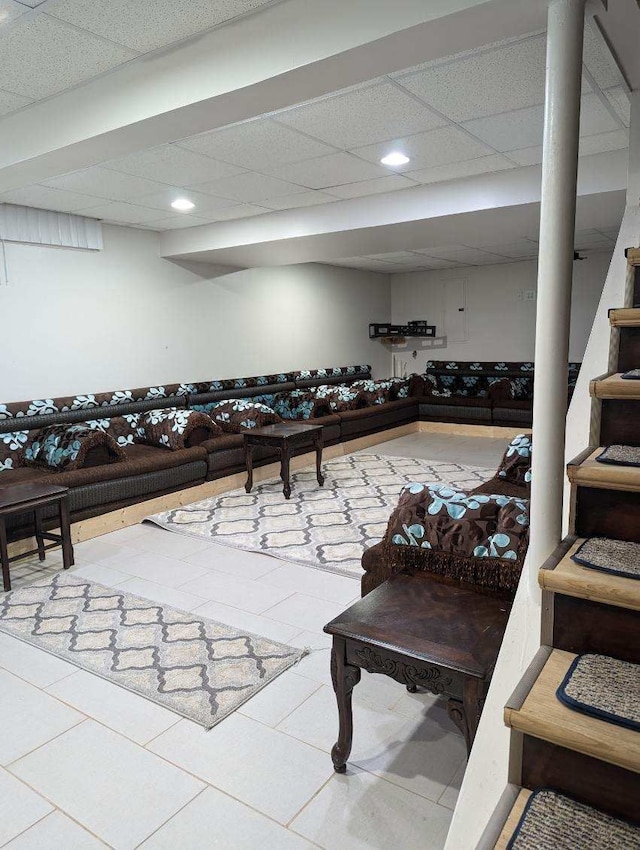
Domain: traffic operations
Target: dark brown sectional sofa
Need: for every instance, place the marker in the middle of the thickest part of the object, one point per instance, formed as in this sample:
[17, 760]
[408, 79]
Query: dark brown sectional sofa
[150, 471]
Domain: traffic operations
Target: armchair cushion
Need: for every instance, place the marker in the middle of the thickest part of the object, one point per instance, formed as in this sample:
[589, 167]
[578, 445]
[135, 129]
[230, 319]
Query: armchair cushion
[174, 428]
[63, 448]
[515, 467]
[234, 415]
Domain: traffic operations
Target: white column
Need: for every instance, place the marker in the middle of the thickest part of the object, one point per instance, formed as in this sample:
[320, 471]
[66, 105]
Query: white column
[555, 268]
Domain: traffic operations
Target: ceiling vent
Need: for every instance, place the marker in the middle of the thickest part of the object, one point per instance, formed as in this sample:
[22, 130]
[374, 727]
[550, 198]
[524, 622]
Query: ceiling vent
[45, 227]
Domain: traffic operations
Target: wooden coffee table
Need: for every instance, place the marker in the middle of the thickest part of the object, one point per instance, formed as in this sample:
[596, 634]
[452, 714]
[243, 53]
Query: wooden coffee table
[426, 633]
[32, 498]
[283, 436]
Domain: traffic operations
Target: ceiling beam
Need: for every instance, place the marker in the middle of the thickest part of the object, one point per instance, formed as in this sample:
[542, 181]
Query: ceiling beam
[282, 55]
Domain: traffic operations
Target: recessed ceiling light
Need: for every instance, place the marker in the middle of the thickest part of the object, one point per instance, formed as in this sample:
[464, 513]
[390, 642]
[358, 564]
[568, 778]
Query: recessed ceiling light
[182, 204]
[395, 158]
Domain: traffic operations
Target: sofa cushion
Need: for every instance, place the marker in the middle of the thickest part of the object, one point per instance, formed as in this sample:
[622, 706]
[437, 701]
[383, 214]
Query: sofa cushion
[341, 397]
[237, 414]
[515, 467]
[300, 404]
[176, 429]
[380, 392]
[11, 447]
[68, 447]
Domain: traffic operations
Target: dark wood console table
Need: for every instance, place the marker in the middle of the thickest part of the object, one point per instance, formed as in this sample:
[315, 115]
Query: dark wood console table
[283, 437]
[424, 632]
[32, 498]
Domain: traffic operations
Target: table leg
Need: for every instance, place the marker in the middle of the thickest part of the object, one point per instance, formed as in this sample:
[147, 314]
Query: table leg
[4, 555]
[284, 469]
[466, 713]
[248, 459]
[345, 677]
[318, 442]
[39, 538]
[65, 531]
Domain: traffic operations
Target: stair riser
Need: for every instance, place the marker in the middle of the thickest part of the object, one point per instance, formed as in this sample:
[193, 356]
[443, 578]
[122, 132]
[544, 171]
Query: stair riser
[580, 625]
[636, 287]
[590, 780]
[629, 354]
[620, 418]
[607, 513]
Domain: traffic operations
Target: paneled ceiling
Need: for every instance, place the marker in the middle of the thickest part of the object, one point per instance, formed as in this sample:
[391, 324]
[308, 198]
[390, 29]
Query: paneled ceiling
[471, 113]
[458, 256]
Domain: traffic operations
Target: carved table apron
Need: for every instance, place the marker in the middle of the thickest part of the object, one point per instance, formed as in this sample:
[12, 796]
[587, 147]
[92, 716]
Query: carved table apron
[369, 635]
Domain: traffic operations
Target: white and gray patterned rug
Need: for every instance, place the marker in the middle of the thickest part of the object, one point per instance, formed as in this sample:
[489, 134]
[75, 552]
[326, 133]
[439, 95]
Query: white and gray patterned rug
[198, 668]
[327, 528]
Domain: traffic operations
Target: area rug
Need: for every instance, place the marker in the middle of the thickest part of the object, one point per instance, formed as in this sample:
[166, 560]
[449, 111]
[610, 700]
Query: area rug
[197, 668]
[618, 557]
[620, 455]
[552, 821]
[327, 528]
[603, 687]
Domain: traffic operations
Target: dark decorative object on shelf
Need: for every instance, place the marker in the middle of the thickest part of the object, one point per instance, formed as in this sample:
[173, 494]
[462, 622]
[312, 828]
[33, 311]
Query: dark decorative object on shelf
[418, 328]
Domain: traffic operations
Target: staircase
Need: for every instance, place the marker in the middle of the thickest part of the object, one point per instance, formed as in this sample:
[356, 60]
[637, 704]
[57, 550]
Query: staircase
[553, 746]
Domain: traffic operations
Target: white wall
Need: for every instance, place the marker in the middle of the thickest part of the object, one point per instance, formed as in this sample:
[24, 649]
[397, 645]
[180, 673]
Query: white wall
[499, 326]
[79, 321]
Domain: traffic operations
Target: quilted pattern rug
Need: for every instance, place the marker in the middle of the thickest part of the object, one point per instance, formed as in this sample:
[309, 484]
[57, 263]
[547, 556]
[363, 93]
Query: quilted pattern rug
[198, 668]
[327, 528]
[619, 557]
[603, 687]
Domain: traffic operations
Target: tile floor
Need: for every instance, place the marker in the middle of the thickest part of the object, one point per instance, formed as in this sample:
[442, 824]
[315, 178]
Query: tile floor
[85, 764]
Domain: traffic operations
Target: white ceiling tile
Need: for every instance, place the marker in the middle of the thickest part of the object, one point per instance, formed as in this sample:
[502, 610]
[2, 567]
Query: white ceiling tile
[598, 60]
[436, 262]
[327, 171]
[41, 56]
[302, 199]
[373, 187]
[241, 211]
[481, 165]
[147, 24]
[619, 99]
[102, 183]
[362, 116]
[364, 263]
[9, 102]
[32, 4]
[610, 232]
[594, 117]
[248, 187]
[176, 222]
[173, 165]
[204, 204]
[398, 258]
[614, 141]
[256, 145]
[496, 81]
[510, 130]
[526, 156]
[462, 254]
[436, 147]
[46, 198]
[591, 239]
[521, 250]
[10, 10]
[122, 213]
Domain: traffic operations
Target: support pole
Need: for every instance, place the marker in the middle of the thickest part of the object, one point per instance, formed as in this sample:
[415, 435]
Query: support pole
[555, 269]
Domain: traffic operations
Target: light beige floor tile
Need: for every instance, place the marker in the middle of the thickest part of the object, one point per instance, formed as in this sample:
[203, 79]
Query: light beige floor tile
[279, 698]
[263, 768]
[316, 666]
[161, 594]
[124, 536]
[316, 583]
[162, 542]
[101, 574]
[19, 807]
[235, 562]
[32, 716]
[253, 623]
[237, 592]
[55, 832]
[304, 611]
[449, 796]
[99, 549]
[214, 820]
[358, 811]
[32, 664]
[311, 640]
[147, 565]
[123, 711]
[119, 791]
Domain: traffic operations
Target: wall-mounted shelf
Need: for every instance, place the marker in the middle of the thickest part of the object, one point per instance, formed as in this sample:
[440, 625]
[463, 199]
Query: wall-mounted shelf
[417, 330]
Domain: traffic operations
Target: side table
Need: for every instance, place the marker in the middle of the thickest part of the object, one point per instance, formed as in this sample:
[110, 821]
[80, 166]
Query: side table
[283, 436]
[32, 498]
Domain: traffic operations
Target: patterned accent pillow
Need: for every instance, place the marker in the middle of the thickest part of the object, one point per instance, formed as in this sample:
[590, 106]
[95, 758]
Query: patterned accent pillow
[522, 388]
[174, 428]
[11, 446]
[300, 404]
[123, 429]
[236, 415]
[379, 392]
[515, 466]
[63, 448]
[438, 517]
[341, 397]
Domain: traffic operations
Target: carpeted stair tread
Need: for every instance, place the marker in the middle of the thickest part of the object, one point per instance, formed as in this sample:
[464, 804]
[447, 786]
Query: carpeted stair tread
[631, 375]
[625, 317]
[574, 579]
[608, 476]
[615, 386]
[552, 821]
[620, 455]
[603, 687]
[513, 819]
[543, 716]
[615, 557]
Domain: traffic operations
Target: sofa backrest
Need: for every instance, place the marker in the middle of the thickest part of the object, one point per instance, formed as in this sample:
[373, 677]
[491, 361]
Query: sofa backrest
[492, 368]
[306, 378]
[245, 392]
